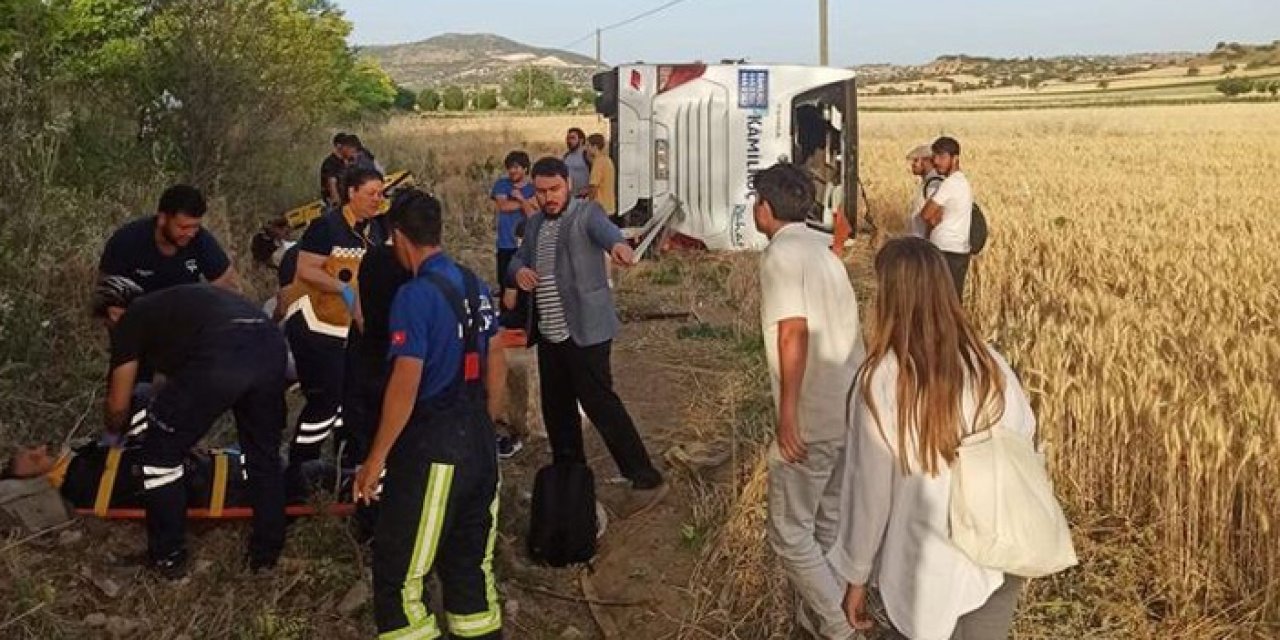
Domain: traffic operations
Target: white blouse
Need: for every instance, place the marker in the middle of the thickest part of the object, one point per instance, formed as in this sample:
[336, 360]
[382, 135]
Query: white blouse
[894, 528]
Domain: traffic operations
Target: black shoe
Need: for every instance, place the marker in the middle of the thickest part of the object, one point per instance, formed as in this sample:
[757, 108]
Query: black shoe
[647, 481]
[260, 564]
[170, 567]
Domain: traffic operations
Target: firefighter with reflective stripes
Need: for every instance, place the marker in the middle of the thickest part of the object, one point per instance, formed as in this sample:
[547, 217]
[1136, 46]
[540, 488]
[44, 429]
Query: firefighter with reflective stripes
[435, 439]
[321, 303]
[216, 352]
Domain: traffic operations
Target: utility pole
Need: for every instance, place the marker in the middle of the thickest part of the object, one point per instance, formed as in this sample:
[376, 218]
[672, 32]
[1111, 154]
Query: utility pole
[822, 32]
[598, 48]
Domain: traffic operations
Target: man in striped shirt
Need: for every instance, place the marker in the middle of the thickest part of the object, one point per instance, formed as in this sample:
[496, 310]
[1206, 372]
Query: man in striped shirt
[574, 322]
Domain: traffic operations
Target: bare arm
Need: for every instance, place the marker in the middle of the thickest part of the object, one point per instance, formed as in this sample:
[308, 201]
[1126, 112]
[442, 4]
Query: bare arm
[507, 205]
[331, 187]
[311, 271]
[119, 396]
[932, 214]
[793, 353]
[229, 280]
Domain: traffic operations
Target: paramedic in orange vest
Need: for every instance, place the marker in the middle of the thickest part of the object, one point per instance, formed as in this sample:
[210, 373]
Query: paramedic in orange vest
[321, 303]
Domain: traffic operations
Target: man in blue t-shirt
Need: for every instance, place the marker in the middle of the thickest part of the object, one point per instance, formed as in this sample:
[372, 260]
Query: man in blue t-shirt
[169, 248]
[435, 440]
[513, 201]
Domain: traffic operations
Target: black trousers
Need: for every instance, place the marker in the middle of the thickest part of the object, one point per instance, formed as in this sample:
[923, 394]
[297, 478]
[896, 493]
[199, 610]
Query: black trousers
[510, 318]
[321, 362]
[569, 375]
[242, 370]
[439, 511]
[363, 388]
[958, 264]
[504, 260]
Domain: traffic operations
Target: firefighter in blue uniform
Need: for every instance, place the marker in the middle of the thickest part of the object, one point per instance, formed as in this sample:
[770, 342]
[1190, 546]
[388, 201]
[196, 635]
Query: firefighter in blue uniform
[435, 439]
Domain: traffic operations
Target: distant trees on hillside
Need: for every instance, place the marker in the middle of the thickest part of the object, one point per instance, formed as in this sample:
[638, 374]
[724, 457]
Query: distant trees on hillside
[429, 100]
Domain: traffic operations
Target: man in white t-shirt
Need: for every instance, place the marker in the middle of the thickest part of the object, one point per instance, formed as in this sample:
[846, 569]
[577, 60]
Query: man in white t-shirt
[949, 212]
[814, 347]
[921, 163]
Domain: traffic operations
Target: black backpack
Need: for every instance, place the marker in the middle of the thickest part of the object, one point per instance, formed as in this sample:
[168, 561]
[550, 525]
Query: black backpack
[977, 220]
[977, 230]
[562, 520]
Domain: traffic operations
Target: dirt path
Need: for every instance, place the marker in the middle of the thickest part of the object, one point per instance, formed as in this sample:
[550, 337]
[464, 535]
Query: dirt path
[645, 562]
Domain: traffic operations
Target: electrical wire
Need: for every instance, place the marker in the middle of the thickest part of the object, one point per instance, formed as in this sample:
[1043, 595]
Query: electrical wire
[623, 23]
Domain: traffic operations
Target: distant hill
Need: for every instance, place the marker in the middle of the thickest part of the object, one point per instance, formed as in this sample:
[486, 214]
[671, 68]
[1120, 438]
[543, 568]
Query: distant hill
[955, 73]
[474, 60]
[998, 69]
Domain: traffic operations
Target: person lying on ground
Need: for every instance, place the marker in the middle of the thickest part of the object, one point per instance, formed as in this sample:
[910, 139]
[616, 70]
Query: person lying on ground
[93, 478]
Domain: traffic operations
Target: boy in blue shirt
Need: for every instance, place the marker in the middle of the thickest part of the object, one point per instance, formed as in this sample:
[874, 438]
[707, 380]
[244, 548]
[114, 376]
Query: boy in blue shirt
[513, 201]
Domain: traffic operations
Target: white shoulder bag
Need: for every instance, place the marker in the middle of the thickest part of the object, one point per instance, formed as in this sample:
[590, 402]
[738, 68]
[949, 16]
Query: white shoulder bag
[1003, 511]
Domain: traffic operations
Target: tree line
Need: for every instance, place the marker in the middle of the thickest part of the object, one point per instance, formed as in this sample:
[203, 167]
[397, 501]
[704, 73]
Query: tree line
[527, 88]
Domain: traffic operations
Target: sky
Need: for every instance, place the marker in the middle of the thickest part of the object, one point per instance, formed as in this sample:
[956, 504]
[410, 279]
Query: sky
[862, 31]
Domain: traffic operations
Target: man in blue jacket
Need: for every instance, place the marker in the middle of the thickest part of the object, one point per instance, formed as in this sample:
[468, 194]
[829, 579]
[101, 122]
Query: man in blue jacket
[574, 322]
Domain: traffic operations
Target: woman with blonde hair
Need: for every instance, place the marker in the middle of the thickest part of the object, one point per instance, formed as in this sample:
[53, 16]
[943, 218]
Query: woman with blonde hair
[927, 381]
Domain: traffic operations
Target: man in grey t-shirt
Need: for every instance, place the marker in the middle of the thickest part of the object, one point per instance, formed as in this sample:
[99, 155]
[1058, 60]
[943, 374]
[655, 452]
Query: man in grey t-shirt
[576, 160]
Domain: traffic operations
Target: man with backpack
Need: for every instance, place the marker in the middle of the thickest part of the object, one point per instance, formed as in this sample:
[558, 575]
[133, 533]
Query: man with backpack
[948, 213]
[435, 441]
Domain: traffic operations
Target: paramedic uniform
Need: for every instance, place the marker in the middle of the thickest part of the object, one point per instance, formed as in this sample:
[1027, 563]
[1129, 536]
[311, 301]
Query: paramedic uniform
[440, 493]
[316, 324]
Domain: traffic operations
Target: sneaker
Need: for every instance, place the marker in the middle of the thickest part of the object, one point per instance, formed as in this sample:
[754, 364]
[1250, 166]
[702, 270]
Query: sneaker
[170, 567]
[509, 446]
[602, 519]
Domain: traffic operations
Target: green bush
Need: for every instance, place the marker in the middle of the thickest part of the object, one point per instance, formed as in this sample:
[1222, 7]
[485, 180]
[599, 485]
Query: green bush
[429, 100]
[486, 100]
[1232, 87]
[454, 98]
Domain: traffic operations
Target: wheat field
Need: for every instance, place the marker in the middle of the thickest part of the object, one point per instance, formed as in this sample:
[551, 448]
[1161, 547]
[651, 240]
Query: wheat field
[1134, 284]
[1131, 279]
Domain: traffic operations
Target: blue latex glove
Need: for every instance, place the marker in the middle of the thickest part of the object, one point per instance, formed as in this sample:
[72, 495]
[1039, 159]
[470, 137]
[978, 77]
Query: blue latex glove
[348, 297]
[112, 440]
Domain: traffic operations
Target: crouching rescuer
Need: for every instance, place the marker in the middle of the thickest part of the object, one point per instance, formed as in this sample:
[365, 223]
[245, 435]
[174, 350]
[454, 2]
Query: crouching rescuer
[435, 440]
[216, 352]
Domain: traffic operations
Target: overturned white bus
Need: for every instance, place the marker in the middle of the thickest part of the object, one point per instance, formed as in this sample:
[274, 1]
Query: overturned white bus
[687, 140]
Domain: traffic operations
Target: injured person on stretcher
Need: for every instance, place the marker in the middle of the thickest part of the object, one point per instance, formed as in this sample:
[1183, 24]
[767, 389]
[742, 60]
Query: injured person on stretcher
[106, 481]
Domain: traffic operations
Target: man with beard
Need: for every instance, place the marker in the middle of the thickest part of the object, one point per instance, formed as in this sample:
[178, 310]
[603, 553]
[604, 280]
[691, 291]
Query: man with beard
[573, 323]
[949, 212]
[169, 248]
[575, 158]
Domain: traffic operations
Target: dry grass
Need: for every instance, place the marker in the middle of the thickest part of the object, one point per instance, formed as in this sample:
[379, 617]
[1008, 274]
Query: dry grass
[1131, 281]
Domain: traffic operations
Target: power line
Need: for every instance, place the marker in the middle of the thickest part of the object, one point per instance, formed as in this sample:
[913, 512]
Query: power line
[623, 23]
